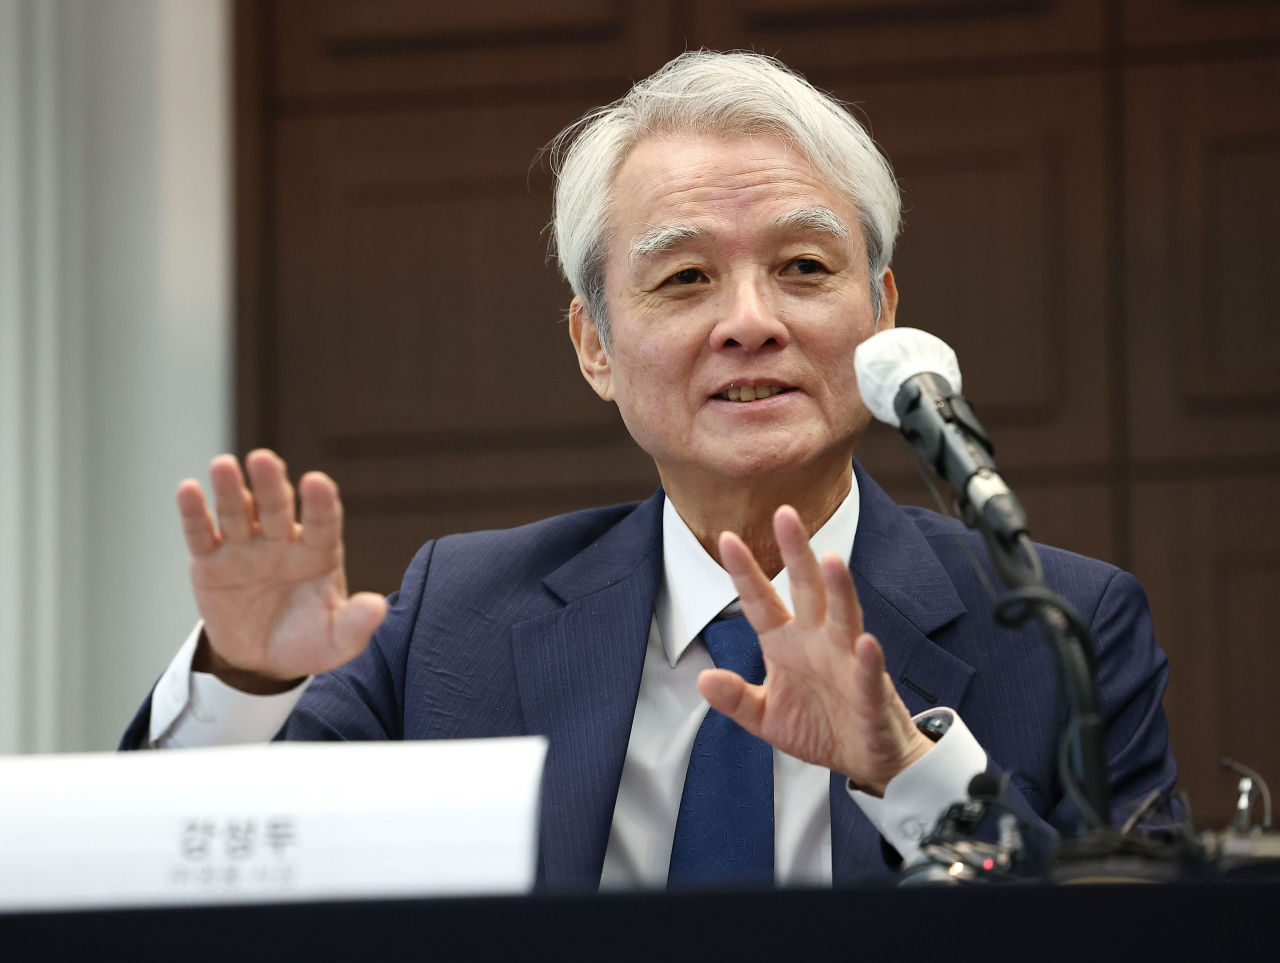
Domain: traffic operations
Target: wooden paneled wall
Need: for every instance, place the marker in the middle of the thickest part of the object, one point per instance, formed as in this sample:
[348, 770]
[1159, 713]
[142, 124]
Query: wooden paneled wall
[1092, 195]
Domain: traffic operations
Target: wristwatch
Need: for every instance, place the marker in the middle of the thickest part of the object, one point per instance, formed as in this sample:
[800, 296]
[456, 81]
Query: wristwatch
[935, 725]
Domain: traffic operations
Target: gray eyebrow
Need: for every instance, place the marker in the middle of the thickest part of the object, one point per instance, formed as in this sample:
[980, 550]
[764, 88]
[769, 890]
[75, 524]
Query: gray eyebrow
[664, 237]
[814, 219]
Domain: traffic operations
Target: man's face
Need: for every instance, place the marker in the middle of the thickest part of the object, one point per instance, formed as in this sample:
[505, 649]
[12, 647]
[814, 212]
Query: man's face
[734, 271]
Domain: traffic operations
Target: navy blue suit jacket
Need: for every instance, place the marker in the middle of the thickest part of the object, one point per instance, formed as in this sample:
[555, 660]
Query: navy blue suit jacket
[542, 630]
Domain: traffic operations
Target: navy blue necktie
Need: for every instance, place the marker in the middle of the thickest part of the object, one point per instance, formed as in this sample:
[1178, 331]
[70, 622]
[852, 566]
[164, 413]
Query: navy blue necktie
[724, 833]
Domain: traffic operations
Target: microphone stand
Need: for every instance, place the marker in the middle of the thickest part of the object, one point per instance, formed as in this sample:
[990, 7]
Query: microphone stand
[941, 430]
[940, 427]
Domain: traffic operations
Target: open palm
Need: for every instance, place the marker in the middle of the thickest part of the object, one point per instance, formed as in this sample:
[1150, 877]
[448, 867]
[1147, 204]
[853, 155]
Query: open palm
[272, 590]
[827, 698]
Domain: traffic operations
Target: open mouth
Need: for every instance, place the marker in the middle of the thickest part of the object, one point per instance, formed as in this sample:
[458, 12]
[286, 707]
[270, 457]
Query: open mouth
[748, 393]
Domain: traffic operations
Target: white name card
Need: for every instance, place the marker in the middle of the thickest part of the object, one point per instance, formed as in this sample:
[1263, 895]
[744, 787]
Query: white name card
[286, 821]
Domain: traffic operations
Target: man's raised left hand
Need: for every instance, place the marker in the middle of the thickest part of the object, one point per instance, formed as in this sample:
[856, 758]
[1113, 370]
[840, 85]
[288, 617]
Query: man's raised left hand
[827, 698]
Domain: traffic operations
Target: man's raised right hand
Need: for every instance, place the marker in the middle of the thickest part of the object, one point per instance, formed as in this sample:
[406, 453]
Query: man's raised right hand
[272, 591]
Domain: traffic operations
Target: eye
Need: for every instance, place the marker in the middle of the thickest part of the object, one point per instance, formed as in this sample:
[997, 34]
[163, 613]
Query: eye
[687, 276]
[807, 265]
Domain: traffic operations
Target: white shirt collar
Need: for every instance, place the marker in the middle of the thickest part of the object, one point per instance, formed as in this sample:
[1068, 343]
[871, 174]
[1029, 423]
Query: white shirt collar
[694, 588]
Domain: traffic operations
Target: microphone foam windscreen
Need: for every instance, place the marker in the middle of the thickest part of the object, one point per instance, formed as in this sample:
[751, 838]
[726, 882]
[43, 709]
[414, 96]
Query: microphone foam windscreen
[885, 360]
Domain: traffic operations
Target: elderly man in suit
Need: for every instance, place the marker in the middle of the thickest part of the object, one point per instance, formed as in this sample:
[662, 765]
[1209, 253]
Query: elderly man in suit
[734, 674]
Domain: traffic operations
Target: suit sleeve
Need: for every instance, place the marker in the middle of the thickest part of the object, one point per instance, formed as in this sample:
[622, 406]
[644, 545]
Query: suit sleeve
[1132, 674]
[1131, 679]
[364, 699]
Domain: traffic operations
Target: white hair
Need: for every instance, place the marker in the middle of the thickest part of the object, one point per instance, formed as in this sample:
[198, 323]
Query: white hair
[721, 94]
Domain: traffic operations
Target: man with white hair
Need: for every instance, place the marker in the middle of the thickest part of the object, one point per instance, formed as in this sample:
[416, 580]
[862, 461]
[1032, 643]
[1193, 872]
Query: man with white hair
[727, 231]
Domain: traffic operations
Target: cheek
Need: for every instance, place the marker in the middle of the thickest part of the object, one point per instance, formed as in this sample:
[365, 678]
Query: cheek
[829, 346]
[652, 376]
[834, 330]
[656, 355]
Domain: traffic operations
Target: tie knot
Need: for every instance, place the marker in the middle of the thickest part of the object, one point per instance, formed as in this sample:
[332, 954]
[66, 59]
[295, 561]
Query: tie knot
[733, 645]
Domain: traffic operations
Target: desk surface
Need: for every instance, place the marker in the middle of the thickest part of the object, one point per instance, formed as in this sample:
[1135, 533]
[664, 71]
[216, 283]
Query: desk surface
[1120, 922]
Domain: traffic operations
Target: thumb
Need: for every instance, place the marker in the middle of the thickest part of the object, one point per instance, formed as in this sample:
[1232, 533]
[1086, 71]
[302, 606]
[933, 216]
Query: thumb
[356, 621]
[731, 694]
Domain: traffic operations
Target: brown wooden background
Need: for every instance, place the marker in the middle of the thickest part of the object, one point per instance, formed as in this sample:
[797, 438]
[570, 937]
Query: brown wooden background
[1092, 198]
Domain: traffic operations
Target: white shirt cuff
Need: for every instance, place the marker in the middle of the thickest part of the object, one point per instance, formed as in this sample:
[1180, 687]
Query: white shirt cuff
[190, 709]
[917, 796]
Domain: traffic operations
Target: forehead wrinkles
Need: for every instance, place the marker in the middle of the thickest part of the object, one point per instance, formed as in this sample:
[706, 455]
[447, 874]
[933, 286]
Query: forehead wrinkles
[669, 191]
[688, 191]
[677, 166]
[709, 211]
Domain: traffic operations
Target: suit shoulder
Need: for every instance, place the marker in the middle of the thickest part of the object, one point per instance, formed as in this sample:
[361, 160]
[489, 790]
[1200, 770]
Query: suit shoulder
[1079, 577]
[527, 552]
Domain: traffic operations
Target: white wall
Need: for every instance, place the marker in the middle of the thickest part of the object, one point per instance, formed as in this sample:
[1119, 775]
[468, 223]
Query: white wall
[114, 346]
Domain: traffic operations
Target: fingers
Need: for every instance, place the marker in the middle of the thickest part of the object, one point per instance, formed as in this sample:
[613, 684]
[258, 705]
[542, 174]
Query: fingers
[808, 594]
[887, 727]
[357, 621]
[844, 612]
[879, 701]
[273, 493]
[321, 512]
[760, 603]
[232, 500]
[197, 520]
[268, 510]
[731, 694]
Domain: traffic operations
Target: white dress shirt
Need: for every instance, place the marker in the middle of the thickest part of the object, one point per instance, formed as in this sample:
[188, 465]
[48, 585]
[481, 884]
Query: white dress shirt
[196, 709]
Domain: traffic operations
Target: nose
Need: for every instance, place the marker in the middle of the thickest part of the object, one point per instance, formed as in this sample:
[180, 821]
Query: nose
[750, 322]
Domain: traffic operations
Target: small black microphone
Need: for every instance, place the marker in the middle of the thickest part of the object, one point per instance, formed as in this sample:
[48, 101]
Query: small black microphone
[984, 786]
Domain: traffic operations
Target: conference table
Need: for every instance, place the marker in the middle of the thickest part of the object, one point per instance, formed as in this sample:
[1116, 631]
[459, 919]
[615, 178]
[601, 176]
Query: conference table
[1180, 921]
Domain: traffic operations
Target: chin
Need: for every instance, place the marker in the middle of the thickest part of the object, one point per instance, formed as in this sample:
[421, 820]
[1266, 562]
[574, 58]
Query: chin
[759, 459]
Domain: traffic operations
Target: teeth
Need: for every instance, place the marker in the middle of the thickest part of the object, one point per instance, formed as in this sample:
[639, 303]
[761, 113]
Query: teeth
[751, 394]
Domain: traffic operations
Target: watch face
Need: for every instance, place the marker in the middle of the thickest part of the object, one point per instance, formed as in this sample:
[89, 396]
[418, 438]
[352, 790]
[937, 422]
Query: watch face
[935, 726]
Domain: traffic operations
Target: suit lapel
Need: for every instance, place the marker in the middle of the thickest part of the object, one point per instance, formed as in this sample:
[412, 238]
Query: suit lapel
[578, 672]
[906, 595]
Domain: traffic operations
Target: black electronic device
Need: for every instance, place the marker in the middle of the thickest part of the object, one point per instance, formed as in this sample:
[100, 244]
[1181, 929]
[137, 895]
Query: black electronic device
[1245, 850]
[953, 853]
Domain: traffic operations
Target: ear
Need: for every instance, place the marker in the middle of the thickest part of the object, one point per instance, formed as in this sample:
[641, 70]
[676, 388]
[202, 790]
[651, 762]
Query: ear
[889, 304]
[592, 359]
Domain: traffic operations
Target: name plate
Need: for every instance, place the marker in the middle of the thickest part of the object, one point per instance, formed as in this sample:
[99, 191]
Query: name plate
[285, 821]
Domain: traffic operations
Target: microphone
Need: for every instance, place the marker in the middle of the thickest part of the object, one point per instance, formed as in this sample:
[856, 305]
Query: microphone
[911, 380]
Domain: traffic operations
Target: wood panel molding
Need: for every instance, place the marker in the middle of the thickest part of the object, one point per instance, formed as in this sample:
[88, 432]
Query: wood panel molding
[1206, 554]
[1230, 303]
[398, 322]
[426, 365]
[862, 35]
[1203, 298]
[1005, 203]
[377, 27]
[1003, 253]
[335, 48]
[824, 14]
[1245, 589]
[468, 356]
[1195, 22]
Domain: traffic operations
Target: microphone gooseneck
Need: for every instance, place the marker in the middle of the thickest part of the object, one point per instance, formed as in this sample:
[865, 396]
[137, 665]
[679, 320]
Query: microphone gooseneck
[911, 380]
